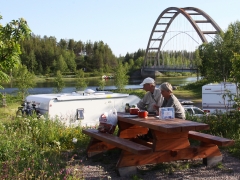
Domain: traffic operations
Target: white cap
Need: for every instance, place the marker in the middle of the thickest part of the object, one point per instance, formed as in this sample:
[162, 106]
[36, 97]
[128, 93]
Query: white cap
[148, 80]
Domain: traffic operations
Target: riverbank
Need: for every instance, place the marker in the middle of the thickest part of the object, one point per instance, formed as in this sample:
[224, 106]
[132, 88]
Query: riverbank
[196, 98]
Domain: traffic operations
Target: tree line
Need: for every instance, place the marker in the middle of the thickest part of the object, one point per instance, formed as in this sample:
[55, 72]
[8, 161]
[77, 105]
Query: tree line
[47, 55]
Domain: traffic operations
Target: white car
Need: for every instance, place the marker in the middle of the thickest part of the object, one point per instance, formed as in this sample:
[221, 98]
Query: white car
[194, 111]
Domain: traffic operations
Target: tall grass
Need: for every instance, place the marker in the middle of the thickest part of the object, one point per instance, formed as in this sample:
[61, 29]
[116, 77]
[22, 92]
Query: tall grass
[39, 149]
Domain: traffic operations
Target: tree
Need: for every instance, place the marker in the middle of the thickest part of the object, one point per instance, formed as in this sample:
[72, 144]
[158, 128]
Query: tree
[80, 81]
[234, 39]
[220, 57]
[10, 37]
[59, 83]
[29, 60]
[101, 84]
[120, 76]
[216, 59]
[70, 60]
[61, 65]
[139, 62]
[63, 44]
[24, 79]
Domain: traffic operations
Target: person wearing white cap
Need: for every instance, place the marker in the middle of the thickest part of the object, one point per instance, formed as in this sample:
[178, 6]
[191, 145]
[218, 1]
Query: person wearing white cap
[170, 100]
[152, 99]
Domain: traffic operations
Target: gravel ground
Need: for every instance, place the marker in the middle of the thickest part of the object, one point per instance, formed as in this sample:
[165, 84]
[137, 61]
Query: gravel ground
[102, 166]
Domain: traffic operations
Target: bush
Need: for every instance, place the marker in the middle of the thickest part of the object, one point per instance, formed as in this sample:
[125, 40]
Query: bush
[196, 85]
[34, 148]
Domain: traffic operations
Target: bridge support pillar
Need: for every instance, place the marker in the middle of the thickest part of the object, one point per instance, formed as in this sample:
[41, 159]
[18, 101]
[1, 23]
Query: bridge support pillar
[145, 74]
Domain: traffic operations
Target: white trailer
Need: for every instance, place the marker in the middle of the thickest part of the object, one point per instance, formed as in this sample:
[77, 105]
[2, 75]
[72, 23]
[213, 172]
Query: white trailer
[82, 108]
[217, 97]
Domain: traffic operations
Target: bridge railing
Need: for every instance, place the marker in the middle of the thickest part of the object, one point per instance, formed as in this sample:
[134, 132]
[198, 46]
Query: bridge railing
[170, 68]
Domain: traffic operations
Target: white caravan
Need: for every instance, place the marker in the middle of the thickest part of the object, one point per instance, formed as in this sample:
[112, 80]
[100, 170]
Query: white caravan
[216, 97]
[83, 108]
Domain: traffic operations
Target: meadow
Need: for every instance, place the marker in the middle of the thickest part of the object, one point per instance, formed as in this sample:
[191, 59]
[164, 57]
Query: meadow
[32, 148]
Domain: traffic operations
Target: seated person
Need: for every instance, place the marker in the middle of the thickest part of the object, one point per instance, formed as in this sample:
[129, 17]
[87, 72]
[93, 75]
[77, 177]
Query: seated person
[170, 100]
[152, 98]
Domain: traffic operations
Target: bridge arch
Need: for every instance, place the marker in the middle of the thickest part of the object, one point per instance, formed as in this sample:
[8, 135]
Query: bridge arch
[169, 14]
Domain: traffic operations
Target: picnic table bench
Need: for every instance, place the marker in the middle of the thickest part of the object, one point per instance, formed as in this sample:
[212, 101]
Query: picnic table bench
[116, 141]
[210, 139]
[206, 141]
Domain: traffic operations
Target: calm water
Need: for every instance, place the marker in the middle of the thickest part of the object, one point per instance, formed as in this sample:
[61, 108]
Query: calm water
[47, 86]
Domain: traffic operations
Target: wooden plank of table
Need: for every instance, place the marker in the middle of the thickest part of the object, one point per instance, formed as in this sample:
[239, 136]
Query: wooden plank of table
[167, 126]
[118, 142]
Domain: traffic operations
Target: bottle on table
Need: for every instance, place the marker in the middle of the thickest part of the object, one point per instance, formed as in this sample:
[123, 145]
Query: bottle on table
[127, 108]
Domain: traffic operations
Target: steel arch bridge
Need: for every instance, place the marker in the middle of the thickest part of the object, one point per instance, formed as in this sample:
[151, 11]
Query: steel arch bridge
[152, 55]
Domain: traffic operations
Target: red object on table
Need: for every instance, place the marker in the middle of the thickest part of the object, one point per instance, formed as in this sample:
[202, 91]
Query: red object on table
[142, 114]
[134, 111]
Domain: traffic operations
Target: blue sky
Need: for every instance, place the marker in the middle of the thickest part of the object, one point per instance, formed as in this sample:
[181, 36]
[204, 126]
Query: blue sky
[125, 25]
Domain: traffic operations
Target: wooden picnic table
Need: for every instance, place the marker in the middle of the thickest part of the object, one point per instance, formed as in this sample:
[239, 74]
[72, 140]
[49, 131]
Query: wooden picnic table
[170, 142]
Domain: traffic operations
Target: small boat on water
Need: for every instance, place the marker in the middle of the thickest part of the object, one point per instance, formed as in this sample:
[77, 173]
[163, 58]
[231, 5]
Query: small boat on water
[80, 108]
[107, 77]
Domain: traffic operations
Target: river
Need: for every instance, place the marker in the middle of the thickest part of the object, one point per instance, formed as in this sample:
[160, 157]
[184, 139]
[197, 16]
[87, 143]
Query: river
[47, 87]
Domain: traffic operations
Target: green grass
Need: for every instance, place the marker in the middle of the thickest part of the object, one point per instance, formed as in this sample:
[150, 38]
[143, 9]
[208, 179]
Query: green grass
[40, 148]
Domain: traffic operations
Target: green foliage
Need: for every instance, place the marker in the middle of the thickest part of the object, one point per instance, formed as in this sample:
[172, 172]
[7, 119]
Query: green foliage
[61, 64]
[219, 57]
[24, 80]
[173, 74]
[234, 38]
[120, 77]
[33, 148]
[81, 83]
[3, 78]
[196, 85]
[59, 83]
[10, 36]
[186, 74]
[96, 73]
[235, 73]
[224, 125]
[135, 177]
[101, 84]
[70, 60]
[66, 55]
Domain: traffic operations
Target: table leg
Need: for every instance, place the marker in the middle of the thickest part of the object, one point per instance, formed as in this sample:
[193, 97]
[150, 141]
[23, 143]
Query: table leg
[96, 147]
[128, 131]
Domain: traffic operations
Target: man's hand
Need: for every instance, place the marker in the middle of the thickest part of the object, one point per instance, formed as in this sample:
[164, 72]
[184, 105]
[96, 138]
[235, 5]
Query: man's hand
[156, 107]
